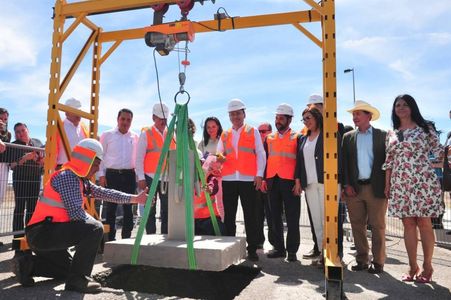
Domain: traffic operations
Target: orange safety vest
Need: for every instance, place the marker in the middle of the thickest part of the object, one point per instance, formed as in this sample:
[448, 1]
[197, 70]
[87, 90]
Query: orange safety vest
[281, 155]
[49, 203]
[201, 208]
[154, 147]
[246, 160]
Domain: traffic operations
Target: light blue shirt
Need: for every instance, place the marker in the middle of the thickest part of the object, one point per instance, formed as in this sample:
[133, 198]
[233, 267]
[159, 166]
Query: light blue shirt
[365, 154]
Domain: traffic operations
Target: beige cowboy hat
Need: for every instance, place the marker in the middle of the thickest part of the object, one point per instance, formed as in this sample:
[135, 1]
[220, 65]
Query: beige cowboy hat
[362, 105]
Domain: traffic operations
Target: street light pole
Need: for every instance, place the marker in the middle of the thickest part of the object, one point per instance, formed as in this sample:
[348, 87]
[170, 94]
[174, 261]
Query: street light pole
[353, 80]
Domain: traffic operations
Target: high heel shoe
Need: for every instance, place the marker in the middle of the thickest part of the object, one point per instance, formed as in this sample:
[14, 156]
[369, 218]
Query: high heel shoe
[411, 276]
[424, 277]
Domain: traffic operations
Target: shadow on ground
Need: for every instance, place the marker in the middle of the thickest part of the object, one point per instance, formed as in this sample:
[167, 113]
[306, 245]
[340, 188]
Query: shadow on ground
[181, 283]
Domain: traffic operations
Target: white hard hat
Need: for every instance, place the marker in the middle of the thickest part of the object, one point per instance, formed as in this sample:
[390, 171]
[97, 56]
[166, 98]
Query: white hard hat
[161, 110]
[72, 102]
[284, 109]
[314, 99]
[93, 145]
[235, 104]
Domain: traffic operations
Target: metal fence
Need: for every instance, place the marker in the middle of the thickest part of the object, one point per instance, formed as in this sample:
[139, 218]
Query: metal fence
[21, 182]
[21, 169]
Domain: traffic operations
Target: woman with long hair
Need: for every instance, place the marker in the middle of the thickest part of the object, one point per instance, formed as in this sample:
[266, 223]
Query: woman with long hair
[412, 187]
[212, 133]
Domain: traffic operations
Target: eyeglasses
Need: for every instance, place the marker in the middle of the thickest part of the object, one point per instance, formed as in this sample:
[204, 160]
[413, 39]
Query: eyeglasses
[306, 119]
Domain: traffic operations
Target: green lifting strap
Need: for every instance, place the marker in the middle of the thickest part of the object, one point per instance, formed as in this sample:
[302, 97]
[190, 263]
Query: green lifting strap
[182, 167]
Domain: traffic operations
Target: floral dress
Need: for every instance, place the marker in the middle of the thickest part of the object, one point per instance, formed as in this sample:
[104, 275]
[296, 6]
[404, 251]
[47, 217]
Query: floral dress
[415, 189]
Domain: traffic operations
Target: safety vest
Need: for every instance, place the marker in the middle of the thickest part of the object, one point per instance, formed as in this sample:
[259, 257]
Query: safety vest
[154, 147]
[49, 204]
[281, 155]
[246, 160]
[201, 208]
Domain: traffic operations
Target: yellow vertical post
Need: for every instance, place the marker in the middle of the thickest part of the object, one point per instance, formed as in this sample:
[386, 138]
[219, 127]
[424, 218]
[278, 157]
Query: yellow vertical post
[333, 268]
[94, 105]
[54, 86]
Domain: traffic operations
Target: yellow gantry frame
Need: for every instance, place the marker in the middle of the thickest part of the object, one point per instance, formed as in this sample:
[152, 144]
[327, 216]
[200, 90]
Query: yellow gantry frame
[323, 12]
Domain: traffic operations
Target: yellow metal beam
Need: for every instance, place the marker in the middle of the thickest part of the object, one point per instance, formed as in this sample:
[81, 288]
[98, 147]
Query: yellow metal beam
[308, 34]
[106, 6]
[76, 64]
[89, 24]
[65, 108]
[72, 27]
[226, 24]
[110, 50]
[315, 6]
[54, 86]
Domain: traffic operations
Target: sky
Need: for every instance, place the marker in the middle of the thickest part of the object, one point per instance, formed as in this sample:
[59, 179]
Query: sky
[395, 47]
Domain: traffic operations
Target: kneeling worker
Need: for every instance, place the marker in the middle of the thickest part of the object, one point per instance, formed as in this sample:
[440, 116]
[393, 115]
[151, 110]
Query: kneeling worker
[59, 222]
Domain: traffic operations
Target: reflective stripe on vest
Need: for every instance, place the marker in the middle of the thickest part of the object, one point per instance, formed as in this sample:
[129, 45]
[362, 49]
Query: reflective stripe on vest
[154, 147]
[245, 161]
[281, 155]
[51, 202]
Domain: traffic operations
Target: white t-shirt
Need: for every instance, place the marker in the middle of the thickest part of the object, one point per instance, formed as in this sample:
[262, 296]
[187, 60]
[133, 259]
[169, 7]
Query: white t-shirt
[309, 160]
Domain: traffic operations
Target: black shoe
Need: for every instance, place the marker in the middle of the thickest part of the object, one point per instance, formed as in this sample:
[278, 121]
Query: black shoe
[252, 256]
[376, 268]
[292, 257]
[276, 253]
[83, 285]
[359, 267]
[311, 255]
[22, 267]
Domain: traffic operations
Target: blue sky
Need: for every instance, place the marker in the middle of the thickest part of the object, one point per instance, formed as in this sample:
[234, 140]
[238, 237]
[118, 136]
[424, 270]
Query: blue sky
[395, 47]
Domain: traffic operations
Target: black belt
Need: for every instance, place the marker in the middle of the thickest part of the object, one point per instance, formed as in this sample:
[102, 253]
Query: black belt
[121, 171]
[364, 181]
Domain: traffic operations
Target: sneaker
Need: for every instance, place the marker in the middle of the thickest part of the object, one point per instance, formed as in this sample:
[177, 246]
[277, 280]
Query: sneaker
[311, 255]
[83, 285]
[252, 256]
[276, 253]
[22, 267]
[292, 257]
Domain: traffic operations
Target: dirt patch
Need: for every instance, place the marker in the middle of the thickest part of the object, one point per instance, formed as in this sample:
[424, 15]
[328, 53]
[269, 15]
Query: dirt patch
[181, 283]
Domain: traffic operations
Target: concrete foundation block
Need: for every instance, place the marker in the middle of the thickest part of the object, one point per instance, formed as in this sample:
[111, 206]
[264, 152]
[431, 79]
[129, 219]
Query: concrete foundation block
[212, 253]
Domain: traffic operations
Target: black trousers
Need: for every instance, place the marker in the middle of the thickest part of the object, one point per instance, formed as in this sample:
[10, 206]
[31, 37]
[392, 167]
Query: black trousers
[151, 221]
[264, 210]
[282, 199]
[341, 218]
[50, 243]
[124, 181]
[231, 190]
[26, 195]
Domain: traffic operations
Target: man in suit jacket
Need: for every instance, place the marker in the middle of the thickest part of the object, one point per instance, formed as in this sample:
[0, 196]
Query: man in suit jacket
[364, 183]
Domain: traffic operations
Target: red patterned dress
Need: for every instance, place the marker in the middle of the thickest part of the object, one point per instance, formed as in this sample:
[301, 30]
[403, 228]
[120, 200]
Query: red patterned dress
[415, 188]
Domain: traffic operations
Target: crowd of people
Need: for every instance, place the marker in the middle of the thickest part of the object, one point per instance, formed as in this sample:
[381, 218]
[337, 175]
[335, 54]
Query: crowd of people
[265, 170]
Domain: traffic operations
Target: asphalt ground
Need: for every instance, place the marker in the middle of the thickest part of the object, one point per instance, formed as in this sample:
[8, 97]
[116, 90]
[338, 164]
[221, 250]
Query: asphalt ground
[269, 279]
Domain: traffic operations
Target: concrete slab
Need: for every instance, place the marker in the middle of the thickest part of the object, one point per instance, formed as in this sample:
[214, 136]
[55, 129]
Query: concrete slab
[212, 253]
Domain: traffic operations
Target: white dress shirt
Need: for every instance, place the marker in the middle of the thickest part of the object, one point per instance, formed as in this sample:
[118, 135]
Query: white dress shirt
[119, 150]
[141, 154]
[259, 151]
[74, 134]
